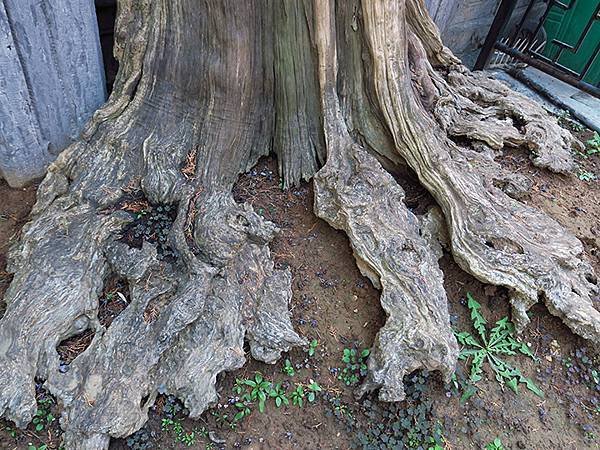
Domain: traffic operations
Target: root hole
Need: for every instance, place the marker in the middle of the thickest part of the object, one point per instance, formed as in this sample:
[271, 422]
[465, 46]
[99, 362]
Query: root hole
[71, 348]
[114, 299]
[591, 278]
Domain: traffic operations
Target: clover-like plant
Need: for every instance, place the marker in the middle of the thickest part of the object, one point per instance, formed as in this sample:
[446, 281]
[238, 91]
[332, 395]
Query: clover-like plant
[491, 346]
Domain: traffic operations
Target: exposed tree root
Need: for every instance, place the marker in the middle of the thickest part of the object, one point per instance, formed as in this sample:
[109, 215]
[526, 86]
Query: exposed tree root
[370, 83]
[495, 238]
[354, 193]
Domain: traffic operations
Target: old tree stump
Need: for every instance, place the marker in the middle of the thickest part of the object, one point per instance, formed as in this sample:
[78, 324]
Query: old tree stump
[340, 91]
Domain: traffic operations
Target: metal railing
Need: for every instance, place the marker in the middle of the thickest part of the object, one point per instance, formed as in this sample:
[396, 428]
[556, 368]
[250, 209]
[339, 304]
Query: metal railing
[531, 53]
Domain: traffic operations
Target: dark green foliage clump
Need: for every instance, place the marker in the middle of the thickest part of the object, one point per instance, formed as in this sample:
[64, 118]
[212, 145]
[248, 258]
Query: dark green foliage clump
[584, 369]
[173, 408]
[152, 224]
[141, 440]
[400, 425]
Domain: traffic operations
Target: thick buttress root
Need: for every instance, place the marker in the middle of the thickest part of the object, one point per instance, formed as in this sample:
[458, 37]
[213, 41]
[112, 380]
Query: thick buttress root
[202, 93]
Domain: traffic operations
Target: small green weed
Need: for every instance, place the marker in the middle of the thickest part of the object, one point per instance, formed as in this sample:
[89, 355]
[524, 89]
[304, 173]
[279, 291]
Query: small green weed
[12, 432]
[288, 368]
[43, 417]
[243, 411]
[356, 366]
[298, 395]
[278, 393]
[584, 175]
[176, 428]
[313, 388]
[312, 347]
[496, 444]
[499, 341]
[593, 145]
[260, 388]
[30, 446]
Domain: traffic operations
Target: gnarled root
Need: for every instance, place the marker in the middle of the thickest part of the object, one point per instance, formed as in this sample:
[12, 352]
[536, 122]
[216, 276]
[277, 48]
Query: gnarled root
[494, 237]
[355, 194]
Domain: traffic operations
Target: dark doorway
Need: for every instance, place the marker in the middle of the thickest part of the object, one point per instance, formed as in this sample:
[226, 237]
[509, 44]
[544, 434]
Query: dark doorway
[106, 12]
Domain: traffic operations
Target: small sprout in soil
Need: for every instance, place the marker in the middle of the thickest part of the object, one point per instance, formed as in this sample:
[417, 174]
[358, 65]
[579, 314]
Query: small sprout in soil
[356, 366]
[499, 341]
[222, 419]
[584, 175]
[298, 395]
[30, 446]
[278, 393]
[312, 347]
[179, 434]
[12, 432]
[313, 388]
[243, 411]
[496, 444]
[288, 368]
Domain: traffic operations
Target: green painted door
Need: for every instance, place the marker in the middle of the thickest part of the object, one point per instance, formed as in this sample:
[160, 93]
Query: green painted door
[567, 26]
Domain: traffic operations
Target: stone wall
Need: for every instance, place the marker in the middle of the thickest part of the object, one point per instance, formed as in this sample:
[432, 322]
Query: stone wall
[464, 24]
[51, 81]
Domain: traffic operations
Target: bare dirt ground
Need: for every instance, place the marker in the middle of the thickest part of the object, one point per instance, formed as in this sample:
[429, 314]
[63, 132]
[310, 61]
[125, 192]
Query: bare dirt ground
[336, 306]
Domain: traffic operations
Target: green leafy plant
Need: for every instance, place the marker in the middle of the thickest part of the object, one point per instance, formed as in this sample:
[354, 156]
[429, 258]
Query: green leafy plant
[12, 432]
[288, 368]
[496, 444]
[175, 427]
[313, 388]
[593, 144]
[278, 394]
[566, 120]
[298, 395]
[356, 366]
[43, 417]
[312, 347]
[243, 411]
[30, 446]
[260, 388]
[491, 346]
[584, 175]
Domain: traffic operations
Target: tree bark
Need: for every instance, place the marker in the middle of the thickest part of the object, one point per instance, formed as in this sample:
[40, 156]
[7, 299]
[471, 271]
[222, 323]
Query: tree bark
[203, 91]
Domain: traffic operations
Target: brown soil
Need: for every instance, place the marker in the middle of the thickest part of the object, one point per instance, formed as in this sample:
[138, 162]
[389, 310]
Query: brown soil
[335, 305]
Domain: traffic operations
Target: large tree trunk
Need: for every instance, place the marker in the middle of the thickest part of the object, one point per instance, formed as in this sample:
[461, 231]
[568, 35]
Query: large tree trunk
[203, 91]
